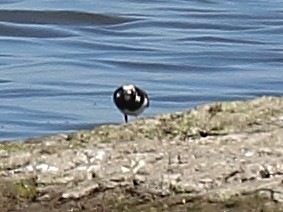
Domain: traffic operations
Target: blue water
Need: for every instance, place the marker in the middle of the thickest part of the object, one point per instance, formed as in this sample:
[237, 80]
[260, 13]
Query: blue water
[61, 60]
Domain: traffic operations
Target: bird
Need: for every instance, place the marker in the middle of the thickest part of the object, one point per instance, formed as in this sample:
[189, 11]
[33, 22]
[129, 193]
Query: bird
[130, 100]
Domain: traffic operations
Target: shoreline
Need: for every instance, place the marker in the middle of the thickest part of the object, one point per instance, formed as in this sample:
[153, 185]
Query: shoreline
[220, 155]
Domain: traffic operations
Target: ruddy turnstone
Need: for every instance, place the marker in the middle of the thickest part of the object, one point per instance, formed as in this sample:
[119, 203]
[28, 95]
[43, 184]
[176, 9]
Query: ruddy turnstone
[130, 100]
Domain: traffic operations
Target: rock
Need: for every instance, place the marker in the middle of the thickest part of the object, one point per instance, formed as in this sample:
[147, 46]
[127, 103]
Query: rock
[80, 191]
[4, 153]
[15, 160]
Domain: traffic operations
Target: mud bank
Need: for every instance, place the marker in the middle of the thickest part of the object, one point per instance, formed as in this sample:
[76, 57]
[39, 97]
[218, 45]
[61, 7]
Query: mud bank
[221, 156]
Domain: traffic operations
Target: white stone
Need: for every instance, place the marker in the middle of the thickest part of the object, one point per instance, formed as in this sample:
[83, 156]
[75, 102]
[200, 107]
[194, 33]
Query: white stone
[249, 154]
[44, 167]
[100, 155]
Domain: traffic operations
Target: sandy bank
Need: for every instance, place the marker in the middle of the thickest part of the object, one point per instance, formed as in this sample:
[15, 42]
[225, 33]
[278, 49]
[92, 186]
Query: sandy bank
[222, 155]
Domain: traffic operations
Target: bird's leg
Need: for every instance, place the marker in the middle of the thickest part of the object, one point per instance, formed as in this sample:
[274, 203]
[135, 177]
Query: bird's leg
[126, 118]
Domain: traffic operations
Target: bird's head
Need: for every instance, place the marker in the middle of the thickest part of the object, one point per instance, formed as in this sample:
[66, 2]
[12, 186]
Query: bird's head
[129, 92]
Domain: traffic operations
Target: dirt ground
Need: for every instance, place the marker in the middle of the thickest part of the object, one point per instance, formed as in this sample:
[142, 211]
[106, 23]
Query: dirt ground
[224, 156]
[129, 200]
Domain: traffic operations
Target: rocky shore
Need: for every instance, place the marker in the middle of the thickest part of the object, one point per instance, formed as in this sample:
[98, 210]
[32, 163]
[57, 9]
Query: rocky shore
[225, 156]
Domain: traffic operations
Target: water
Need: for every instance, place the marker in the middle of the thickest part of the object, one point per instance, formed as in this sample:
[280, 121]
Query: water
[61, 60]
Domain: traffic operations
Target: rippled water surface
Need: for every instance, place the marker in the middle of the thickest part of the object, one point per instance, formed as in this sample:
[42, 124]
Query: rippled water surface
[61, 60]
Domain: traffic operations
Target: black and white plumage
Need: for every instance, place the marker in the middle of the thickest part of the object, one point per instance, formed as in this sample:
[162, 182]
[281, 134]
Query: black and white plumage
[130, 100]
